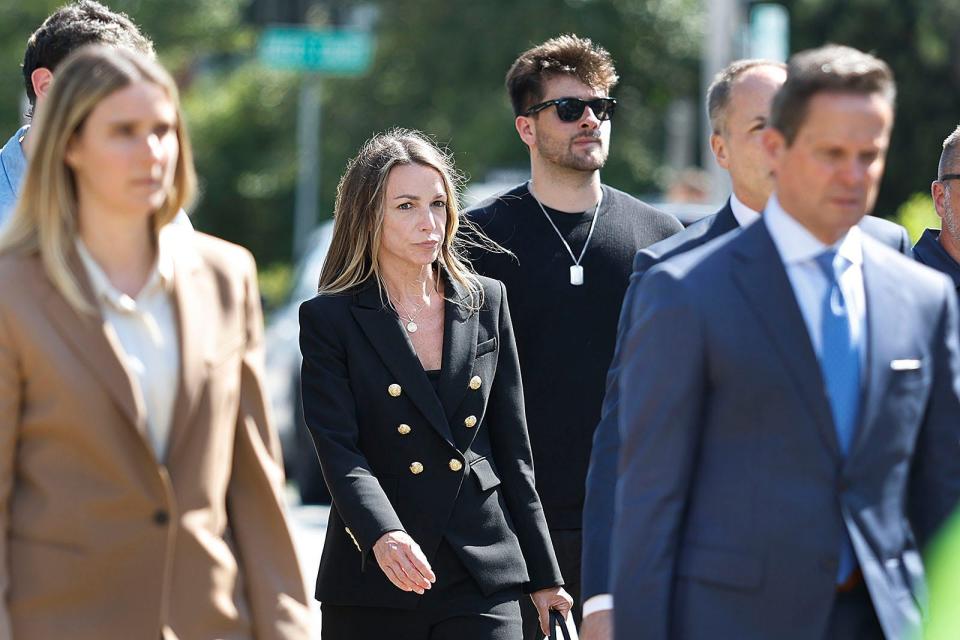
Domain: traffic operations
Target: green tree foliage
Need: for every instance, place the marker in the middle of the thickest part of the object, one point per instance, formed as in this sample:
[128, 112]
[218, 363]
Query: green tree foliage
[943, 567]
[920, 41]
[918, 214]
[440, 66]
[242, 124]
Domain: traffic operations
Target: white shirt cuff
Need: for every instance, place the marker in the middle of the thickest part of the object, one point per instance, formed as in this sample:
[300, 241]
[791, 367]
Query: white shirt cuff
[599, 602]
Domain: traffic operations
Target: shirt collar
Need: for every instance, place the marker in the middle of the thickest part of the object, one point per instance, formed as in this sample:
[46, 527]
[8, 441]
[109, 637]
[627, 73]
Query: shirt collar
[160, 280]
[744, 215]
[930, 252]
[796, 244]
[13, 159]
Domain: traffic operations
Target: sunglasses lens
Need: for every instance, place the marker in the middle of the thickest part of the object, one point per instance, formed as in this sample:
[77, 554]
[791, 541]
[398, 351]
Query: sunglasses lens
[570, 109]
[602, 108]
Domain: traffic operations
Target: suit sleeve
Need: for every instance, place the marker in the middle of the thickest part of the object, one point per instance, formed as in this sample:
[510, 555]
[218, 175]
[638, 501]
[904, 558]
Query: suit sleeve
[906, 248]
[11, 398]
[935, 480]
[602, 473]
[329, 409]
[267, 558]
[662, 383]
[511, 450]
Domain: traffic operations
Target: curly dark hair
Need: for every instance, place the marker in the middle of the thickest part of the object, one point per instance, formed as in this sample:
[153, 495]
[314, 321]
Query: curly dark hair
[567, 54]
[72, 26]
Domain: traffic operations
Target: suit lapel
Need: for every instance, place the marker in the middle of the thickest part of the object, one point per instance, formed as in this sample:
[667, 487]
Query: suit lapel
[90, 340]
[885, 314]
[723, 223]
[763, 281]
[459, 348]
[393, 346]
[192, 293]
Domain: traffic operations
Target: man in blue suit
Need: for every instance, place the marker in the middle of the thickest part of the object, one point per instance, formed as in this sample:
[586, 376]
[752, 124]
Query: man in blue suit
[738, 106]
[789, 399]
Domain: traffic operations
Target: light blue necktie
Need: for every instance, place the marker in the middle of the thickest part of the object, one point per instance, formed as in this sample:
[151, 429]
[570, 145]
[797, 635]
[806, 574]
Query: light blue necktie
[840, 364]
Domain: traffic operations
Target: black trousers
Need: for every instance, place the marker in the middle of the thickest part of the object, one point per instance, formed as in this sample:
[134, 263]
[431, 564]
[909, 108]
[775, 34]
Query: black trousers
[567, 545]
[453, 609]
[853, 617]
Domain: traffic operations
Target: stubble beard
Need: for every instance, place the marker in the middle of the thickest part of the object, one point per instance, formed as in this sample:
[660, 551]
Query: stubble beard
[567, 158]
[950, 222]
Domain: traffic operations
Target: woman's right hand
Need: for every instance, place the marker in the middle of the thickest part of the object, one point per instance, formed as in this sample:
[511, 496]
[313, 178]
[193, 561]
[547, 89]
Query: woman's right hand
[403, 562]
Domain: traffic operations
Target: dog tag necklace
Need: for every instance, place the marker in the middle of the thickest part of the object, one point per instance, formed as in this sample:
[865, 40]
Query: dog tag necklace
[576, 269]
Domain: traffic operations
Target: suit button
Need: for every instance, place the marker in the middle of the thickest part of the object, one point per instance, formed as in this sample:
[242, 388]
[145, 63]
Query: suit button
[455, 465]
[404, 429]
[475, 382]
[416, 468]
[394, 390]
[161, 517]
[470, 422]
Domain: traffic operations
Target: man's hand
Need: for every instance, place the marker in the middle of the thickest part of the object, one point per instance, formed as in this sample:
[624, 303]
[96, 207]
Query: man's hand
[597, 626]
[552, 598]
[403, 562]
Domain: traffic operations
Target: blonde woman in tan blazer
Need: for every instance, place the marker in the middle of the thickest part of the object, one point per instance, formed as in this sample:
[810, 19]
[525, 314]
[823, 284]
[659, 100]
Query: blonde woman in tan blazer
[140, 482]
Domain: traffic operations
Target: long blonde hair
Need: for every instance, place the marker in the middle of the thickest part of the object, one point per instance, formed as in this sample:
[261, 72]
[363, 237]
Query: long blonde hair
[45, 219]
[358, 214]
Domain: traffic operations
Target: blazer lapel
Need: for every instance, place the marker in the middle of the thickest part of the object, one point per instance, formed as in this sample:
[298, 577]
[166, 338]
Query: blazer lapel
[87, 335]
[763, 280]
[723, 223]
[394, 347]
[460, 328]
[885, 315]
[192, 293]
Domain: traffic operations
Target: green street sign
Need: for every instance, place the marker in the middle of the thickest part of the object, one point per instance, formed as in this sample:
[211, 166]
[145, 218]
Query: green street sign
[326, 51]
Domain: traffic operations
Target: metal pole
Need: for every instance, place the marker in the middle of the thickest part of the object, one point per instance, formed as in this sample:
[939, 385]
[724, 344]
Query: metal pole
[723, 45]
[308, 154]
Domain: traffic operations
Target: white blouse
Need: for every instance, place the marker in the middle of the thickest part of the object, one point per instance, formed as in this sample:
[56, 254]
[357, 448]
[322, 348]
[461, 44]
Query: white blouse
[146, 329]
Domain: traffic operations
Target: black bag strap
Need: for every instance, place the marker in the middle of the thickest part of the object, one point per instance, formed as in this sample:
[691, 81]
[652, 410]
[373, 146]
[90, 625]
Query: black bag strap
[557, 622]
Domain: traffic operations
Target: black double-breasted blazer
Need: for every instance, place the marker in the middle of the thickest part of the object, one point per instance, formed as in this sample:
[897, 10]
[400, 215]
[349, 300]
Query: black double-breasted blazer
[396, 455]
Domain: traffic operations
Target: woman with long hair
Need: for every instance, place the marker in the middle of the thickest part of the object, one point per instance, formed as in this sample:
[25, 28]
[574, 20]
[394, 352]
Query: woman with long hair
[140, 482]
[412, 392]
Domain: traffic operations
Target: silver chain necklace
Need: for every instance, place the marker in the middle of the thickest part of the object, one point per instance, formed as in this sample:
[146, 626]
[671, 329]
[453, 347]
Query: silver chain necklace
[411, 318]
[576, 270]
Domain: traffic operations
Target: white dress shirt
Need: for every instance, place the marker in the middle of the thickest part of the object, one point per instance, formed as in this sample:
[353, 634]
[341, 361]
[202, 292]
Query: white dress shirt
[744, 215]
[146, 329]
[798, 250]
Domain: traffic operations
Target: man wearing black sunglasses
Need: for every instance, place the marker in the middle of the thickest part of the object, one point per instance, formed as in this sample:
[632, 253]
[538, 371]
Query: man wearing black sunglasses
[941, 249]
[573, 240]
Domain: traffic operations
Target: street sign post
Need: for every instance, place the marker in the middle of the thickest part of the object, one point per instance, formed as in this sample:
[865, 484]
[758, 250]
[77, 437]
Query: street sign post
[317, 53]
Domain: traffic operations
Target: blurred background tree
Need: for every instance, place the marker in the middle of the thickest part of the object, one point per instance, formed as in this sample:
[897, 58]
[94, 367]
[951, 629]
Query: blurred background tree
[439, 66]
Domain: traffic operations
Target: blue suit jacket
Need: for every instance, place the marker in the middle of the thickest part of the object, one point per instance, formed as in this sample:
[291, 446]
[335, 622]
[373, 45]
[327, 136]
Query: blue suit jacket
[733, 496]
[602, 473]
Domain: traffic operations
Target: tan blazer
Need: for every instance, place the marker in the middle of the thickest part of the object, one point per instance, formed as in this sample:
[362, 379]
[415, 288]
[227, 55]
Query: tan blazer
[103, 541]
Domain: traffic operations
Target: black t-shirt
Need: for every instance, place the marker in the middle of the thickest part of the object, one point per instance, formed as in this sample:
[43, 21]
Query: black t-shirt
[565, 333]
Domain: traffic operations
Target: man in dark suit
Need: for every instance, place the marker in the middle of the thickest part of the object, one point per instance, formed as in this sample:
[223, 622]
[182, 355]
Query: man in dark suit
[941, 249]
[776, 481]
[738, 105]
